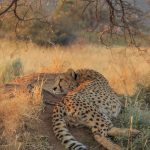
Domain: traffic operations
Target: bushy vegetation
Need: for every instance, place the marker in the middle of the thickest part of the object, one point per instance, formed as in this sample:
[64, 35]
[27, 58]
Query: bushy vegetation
[42, 34]
[136, 115]
[60, 27]
[65, 23]
[10, 70]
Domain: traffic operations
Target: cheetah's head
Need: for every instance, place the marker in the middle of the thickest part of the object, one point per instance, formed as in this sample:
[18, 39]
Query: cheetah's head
[65, 82]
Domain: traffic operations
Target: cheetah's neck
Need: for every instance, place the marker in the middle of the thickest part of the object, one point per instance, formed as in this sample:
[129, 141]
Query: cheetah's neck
[88, 74]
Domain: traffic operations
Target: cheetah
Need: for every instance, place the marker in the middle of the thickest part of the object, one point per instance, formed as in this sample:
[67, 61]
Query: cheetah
[90, 101]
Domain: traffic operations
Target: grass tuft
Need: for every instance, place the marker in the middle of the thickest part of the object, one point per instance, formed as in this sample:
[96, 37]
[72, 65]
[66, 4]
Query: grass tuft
[135, 115]
[10, 70]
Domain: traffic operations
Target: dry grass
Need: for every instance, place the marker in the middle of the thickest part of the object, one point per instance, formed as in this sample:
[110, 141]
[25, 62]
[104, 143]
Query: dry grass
[123, 67]
[16, 105]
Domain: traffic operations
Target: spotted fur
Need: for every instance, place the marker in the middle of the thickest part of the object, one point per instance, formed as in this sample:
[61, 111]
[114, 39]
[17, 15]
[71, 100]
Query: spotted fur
[89, 101]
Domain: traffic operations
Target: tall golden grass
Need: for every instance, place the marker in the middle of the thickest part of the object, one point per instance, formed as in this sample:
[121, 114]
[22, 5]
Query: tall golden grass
[16, 105]
[123, 67]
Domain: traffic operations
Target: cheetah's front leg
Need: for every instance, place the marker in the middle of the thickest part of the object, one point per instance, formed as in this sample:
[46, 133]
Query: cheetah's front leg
[122, 132]
[100, 124]
[106, 143]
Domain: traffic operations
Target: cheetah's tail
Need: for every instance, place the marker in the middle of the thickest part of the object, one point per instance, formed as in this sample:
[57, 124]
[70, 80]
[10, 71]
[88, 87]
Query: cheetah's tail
[61, 131]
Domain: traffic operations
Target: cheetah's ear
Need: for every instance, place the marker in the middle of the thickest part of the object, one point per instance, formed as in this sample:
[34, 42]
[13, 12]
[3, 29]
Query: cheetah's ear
[72, 73]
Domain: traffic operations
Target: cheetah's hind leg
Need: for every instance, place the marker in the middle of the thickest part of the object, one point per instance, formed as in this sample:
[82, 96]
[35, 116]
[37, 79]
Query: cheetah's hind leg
[123, 132]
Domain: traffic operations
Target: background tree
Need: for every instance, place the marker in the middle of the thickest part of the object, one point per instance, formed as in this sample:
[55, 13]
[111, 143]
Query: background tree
[58, 21]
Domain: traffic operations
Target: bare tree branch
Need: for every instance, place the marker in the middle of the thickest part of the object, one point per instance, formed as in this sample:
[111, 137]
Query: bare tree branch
[8, 8]
[119, 16]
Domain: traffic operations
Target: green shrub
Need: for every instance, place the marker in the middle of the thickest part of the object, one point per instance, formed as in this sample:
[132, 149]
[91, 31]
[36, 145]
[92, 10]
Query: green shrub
[10, 71]
[44, 34]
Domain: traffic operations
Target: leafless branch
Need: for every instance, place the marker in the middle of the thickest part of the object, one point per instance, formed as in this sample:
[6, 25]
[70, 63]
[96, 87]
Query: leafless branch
[8, 8]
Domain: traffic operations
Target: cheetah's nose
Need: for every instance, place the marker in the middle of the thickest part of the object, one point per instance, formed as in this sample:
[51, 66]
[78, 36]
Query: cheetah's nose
[55, 88]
